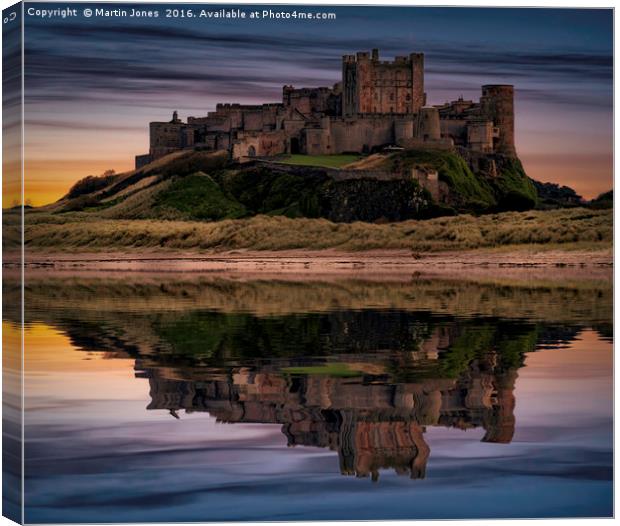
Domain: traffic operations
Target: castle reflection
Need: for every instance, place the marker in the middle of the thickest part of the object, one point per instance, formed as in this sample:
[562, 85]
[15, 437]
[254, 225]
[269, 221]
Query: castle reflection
[353, 404]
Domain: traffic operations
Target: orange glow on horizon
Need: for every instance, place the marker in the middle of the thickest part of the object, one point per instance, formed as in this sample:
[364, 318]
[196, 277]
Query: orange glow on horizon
[54, 367]
[48, 181]
[588, 175]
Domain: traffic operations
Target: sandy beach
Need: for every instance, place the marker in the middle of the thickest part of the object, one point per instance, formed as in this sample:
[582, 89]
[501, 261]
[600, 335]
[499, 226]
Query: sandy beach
[520, 264]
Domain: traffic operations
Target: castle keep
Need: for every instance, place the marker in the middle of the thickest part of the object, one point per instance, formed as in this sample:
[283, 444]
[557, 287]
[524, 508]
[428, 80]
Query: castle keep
[376, 104]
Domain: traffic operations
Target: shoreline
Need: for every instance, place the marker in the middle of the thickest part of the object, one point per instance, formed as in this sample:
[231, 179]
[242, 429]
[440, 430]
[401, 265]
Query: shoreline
[519, 263]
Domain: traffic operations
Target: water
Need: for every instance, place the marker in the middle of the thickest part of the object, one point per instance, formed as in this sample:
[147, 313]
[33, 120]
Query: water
[203, 398]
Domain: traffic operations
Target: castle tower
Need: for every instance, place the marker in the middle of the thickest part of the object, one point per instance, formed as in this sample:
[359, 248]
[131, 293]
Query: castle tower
[497, 104]
[372, 86]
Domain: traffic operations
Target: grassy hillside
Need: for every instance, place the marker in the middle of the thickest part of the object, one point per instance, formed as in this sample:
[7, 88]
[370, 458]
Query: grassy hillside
[205, 186]
[196, 196]
[264, 190]
[513, 189]
[199, 201]
[473, 192]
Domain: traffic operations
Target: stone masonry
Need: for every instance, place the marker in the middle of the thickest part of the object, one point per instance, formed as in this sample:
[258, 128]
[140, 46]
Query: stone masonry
[377, 103]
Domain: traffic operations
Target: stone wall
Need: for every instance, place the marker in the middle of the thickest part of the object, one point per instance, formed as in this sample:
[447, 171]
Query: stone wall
[480, 136]
[361, 135]
[250, 145]
[142, 160]
[310, 101]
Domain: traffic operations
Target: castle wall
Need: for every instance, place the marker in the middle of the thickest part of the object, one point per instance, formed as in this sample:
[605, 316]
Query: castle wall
[360, 135]
[266, 144]
[480, 136]
[428, 124]
[142, 160]
[166, 135]
[253, 120]
[415, 143]
[309, 101]
[273, 143]
[403, 129]
[316, 141]
[293, 126]
[454, 128]
[246, 148]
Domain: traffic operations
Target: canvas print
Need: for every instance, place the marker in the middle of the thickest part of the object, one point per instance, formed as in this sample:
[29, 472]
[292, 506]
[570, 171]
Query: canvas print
[306, 262]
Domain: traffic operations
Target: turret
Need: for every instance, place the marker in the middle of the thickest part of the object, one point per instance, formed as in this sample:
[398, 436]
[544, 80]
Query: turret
[497, 105]
[428, 124]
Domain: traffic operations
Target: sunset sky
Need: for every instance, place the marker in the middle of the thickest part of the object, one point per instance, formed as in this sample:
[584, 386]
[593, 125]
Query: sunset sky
[92, 85]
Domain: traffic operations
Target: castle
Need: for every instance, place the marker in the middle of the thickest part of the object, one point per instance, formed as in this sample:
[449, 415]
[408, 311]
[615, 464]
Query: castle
[376, 104]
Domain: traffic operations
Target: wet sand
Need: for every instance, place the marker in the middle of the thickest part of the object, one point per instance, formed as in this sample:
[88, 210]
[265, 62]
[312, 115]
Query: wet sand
[519, 264]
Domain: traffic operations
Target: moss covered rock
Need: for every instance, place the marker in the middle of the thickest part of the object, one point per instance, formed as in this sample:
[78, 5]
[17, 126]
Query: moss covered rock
[468, 192]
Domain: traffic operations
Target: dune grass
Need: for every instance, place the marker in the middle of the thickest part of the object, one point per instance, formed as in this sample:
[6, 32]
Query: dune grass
[558, 228]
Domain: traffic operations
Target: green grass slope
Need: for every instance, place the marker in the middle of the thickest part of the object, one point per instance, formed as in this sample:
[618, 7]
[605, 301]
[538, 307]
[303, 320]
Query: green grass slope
[473, 193]
[196, 196]
[513, 189]
[262, 190]
[325, 161]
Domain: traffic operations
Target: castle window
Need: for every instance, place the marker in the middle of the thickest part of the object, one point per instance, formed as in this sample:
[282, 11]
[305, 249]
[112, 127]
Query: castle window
[408, 96]
[391, 109]
[391, 96]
